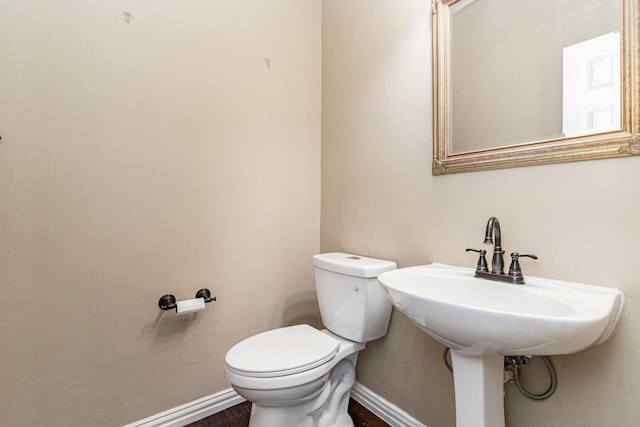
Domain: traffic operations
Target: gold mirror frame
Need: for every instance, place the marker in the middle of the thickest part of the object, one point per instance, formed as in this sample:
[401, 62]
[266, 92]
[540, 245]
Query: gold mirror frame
[621, 143]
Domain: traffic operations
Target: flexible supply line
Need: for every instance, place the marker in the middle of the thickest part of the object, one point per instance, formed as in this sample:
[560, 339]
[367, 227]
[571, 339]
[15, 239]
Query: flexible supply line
[552, 387]
[513, 363]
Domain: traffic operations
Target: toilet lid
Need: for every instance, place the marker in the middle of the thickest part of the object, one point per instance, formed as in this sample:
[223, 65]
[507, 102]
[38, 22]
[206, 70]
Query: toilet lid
[283, 351]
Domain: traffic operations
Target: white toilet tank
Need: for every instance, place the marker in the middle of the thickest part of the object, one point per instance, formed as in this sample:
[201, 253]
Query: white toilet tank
[352, 302]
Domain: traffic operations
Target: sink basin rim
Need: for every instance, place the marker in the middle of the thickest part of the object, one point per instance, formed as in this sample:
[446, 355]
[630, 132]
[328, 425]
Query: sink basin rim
[477, 330]
[555, 291]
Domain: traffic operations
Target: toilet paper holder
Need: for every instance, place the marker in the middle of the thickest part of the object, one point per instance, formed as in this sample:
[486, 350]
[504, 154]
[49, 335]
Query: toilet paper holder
[168, 301]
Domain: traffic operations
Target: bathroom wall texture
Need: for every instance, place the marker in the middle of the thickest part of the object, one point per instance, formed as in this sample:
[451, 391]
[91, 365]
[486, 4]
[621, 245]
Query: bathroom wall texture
[150, 148]
[380, 199]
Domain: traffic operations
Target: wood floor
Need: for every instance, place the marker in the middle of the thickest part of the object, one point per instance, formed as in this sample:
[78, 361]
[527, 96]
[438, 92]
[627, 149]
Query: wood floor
[238, 416]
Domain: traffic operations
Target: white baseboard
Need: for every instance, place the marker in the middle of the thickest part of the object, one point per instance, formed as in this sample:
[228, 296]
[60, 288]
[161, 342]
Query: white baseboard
[209, 405]
[192, 411]
[382, 408]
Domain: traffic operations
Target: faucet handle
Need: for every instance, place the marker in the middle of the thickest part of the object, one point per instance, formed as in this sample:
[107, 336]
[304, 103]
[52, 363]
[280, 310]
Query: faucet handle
[482, 261]
[514, 269]
[516, 255]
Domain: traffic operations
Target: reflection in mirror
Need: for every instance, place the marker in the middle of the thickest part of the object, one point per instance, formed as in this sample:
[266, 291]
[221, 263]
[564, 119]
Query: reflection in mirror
[592, 103]
[515, 50]
[525, 82]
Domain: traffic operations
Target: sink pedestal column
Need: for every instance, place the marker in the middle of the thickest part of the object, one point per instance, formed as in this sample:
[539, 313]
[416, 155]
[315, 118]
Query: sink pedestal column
[479, 390]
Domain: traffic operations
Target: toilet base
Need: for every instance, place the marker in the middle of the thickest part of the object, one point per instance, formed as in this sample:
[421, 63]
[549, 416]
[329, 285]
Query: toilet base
[326, 408]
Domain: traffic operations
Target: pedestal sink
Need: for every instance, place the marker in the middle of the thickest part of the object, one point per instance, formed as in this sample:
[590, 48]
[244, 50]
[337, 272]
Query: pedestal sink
[482, 321]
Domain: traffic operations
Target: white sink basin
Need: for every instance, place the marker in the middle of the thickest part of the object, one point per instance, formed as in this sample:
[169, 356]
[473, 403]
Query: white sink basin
[482, 321]
[477, 316]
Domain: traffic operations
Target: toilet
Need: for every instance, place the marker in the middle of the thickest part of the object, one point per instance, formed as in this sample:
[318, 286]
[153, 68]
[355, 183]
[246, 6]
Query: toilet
[299, 376]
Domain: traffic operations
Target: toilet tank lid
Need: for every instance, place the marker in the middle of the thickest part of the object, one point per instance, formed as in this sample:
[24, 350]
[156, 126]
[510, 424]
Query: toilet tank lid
[353, 265]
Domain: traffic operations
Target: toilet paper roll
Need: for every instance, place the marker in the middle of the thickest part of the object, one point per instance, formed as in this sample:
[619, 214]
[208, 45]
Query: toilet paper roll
[189, 306]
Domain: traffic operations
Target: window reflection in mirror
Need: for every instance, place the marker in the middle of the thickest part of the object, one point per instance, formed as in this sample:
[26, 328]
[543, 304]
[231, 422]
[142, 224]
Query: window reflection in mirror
[591, 101]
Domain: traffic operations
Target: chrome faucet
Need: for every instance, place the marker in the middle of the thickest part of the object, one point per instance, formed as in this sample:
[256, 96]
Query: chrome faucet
[493, 236]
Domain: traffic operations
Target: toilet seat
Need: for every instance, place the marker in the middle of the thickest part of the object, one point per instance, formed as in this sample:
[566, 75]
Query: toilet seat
[281, 352]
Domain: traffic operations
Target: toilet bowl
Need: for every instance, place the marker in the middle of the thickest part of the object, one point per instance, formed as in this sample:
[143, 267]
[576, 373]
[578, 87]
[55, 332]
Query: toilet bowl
[299, 376]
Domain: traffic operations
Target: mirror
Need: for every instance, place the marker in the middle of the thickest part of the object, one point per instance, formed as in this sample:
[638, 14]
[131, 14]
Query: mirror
[527, 82]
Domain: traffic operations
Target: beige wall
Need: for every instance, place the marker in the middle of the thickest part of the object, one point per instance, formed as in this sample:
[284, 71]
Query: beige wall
[157, 156]
[380, 199]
